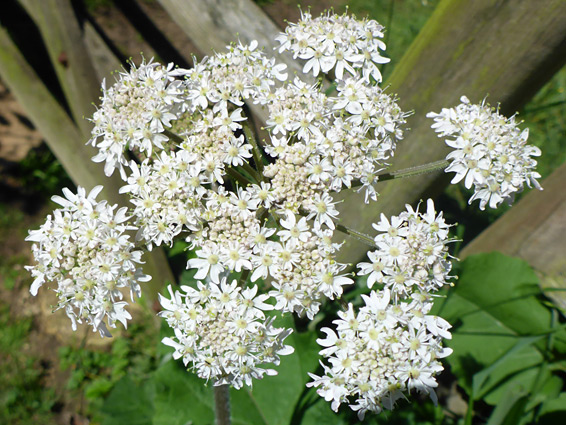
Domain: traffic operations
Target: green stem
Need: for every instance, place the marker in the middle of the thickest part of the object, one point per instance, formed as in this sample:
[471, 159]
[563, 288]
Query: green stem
[258, 156]
[173, 136]
[243, 278]
[415, 171]
[409, 172]
[362, 237]
[240, 178]
[253, 173]
[469, 412]
[222, 404]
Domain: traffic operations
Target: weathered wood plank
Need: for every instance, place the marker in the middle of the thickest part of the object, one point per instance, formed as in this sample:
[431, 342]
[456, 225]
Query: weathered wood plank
[507, 49]
[67, 144]
[63, 137]
[213, 24]
[103, 60]
[63, 38]
[534, 230]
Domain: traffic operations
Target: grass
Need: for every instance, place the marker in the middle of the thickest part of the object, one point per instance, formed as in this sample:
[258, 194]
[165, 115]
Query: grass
[95, 372]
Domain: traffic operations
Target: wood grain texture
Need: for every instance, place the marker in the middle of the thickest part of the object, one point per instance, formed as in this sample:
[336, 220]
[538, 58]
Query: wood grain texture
[534, 230]
[67, 51]
[102, 58]
[68, 145]
[213, 24]
[505, 49]
[63, 137]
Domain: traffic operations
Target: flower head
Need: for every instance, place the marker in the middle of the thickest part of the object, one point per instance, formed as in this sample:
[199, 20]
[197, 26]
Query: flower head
[490, 152]
[239, 341]
[379, 353]
[336, 42]
[83, 248]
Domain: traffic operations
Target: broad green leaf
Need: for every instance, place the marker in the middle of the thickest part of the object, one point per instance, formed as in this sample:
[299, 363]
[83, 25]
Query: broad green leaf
[493, 308]
[181, 396]
[553, 411]
[481, 379]
[510, 409]
[129, 403]
[548, 391]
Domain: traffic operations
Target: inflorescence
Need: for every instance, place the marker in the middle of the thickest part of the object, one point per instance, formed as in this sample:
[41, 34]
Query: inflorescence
[261, 218]
[490, 152]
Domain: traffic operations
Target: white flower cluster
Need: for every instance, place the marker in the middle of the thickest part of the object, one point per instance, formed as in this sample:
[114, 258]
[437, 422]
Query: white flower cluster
[412, 254]
[84, 248]
[134, 112]
[224, 332]
[490, 152]
[139, 112]
[332, 141]
[391, 345]
[298, 257]
[380, 352]
[336, 42]
[229, 78]
[169, 189]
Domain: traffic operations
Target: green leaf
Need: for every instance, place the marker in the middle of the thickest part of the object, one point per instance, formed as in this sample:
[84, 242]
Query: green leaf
[181, 396]
[128, 403]
[98, 388]
[499, 326]
[510, 409]
[481, 379]
[553, 411]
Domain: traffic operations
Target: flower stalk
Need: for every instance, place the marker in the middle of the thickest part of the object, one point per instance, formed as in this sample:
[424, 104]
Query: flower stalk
[222, 404]
[238, 177]
[362, 237]
[258, 156]
[431, 167]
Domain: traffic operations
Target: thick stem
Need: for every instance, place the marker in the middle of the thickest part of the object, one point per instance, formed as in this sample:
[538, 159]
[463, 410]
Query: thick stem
[222, 404]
